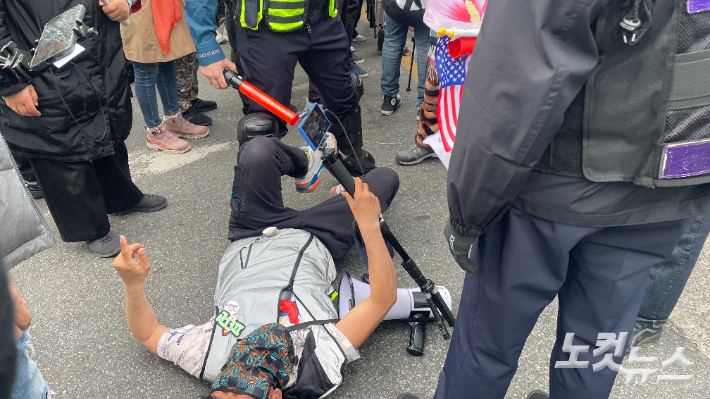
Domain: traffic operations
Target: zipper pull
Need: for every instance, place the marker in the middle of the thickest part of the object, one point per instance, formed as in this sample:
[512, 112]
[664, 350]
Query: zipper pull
[308, 28]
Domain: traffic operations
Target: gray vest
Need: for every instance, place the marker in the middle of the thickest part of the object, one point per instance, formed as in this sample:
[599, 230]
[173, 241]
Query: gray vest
[644, 115]
[23, 230]
[252, 273]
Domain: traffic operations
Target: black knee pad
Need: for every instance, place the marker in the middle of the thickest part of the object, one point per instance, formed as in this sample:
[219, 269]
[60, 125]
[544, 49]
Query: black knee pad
[257, 124]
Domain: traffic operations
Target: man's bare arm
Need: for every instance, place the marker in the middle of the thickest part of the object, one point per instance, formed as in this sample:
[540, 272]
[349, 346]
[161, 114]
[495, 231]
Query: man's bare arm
[139, 314]
[362, 320]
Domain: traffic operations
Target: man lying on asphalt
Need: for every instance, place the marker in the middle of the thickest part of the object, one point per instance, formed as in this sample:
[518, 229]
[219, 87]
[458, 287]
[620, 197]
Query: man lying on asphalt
[275, 332]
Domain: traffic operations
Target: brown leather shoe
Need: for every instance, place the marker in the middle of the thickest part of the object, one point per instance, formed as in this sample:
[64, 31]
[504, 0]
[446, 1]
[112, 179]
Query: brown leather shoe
[181, 127]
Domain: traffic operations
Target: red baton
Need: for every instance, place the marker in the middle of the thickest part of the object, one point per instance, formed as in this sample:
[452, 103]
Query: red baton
[260, 97]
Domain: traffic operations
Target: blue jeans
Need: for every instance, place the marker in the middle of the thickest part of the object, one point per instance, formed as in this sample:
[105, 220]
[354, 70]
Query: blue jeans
[395, 39]
[668, 278]
[29, 383]
[148, 77]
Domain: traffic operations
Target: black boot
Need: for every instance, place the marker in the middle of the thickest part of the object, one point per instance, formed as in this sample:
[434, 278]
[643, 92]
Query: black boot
[356, 160]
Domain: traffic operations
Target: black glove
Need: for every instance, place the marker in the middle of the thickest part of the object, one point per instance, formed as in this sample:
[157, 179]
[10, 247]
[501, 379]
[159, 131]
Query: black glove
[460, 247]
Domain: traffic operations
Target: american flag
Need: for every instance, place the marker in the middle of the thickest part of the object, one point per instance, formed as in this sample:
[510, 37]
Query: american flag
[452, 74]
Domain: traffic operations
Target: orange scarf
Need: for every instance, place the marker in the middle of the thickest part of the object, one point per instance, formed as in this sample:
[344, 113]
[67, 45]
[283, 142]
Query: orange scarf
[166, 14]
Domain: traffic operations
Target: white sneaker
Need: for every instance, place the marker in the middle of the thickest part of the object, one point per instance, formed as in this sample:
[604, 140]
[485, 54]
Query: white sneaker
[359, 38]
[311, 180]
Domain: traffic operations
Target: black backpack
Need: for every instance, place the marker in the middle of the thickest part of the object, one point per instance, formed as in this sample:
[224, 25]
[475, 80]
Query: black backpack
[402, 12]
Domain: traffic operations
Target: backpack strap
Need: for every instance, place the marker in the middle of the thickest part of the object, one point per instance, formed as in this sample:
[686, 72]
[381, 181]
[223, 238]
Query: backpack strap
[207, 355]
[307, 324]
[298, 261]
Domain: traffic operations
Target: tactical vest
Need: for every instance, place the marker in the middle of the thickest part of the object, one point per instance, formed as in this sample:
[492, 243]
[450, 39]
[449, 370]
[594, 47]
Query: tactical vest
[279, 15]
[252, 273]
[644, 114]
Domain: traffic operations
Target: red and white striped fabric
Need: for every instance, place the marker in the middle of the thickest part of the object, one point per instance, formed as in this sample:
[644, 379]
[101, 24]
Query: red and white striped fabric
[452, 75]
[448, 114]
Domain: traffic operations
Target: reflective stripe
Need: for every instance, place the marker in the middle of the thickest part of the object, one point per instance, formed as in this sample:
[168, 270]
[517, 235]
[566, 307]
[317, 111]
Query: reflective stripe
[332, 11]
[277, 5]
[284, 27]
[286, 15]
[278, 20]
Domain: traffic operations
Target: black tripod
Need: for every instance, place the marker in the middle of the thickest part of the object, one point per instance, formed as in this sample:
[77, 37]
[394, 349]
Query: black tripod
[438, 307]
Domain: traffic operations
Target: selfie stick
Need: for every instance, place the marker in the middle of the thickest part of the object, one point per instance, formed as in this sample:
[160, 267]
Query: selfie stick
[439, 308]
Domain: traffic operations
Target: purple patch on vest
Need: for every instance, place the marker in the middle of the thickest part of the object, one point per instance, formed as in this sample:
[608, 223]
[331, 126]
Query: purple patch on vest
[685, 160]
[698, 6]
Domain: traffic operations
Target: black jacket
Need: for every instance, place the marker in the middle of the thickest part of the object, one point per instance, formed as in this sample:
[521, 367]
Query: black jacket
[532, 59]
[85, 107]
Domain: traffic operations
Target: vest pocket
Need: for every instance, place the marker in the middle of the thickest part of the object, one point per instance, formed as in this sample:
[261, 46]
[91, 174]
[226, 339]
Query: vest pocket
[251, 13]
[685, 142]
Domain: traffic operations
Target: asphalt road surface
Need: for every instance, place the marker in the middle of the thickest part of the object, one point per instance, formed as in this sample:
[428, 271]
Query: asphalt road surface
[85, 350]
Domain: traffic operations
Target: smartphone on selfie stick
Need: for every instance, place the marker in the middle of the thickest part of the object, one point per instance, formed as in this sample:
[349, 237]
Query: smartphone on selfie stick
[314, 126]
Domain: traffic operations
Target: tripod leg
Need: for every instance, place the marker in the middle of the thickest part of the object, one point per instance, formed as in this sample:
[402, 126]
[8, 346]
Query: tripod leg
[440, 304]
[439, 320]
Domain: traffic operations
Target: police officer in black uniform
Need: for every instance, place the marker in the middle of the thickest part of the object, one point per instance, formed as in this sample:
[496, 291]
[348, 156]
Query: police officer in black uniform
[271, 37]
[582, 153]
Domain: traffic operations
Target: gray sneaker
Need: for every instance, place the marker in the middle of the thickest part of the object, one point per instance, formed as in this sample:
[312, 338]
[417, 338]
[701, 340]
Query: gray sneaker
[414, 155]
[644, 333]
[107, 246]
[149, 203]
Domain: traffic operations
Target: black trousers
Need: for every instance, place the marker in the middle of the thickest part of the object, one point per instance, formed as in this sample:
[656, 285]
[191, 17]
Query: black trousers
[269, 61]
[81, 194]
[257, 202]
[599, 275]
